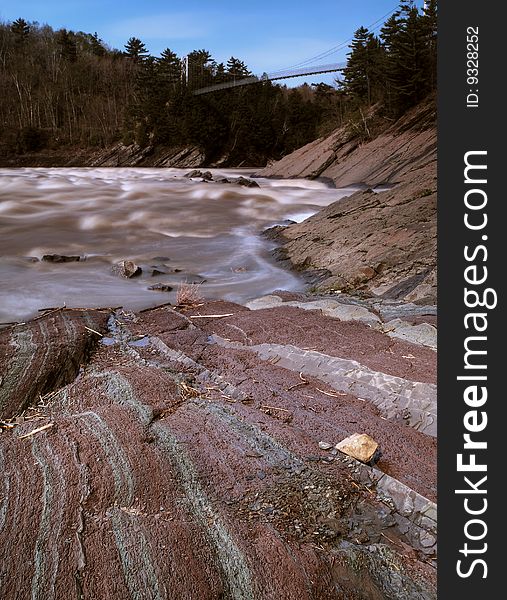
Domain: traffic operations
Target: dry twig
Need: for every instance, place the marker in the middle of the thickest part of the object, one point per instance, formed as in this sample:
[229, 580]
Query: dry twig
[265, 407]
[332, 394]
[211, 316]
[302, 382]
[93, 331]
[38, 430]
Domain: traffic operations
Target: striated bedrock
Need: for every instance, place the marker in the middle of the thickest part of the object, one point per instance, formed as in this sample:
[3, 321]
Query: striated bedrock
[381, 242]
[175, 466]
[121, 155]
[44, 354]
[118, 155]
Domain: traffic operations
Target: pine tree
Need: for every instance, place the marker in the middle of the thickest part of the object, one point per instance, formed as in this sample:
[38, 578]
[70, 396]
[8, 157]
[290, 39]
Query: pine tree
[200, 68]
[409, 41]
[388, 35]
[169, 67]
[236, 69]
[429, 34]
[97, 45]
[410, 82]
[136, 50]
[220, 75]
[68, 46]
[21, 30]
[362, 73]
[301, 122]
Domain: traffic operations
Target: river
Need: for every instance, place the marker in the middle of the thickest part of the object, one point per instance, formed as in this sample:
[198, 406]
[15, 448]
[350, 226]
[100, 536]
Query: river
[187, 229]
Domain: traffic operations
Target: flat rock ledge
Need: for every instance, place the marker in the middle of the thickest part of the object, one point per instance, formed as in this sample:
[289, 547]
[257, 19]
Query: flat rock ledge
[390, 319]
[159, 455]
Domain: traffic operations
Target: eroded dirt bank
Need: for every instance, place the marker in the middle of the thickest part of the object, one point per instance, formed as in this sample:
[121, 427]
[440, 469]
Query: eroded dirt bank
[381, 242]
[181, 458]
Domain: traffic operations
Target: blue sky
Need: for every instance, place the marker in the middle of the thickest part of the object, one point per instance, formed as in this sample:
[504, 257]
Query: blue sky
[267, 35]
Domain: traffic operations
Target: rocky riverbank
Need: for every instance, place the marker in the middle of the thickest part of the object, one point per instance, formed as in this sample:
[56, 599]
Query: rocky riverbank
[380, 241]
[188, 452]
[119, 155]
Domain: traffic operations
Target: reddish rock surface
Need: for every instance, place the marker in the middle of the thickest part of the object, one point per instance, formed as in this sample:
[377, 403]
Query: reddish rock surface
[177, 468]
[44, 354]
[383, 242]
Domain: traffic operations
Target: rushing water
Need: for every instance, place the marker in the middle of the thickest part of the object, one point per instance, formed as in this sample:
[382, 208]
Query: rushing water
[155, 217]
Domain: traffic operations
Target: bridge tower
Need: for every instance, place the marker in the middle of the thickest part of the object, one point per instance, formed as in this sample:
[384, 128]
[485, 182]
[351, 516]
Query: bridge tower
[184, 70]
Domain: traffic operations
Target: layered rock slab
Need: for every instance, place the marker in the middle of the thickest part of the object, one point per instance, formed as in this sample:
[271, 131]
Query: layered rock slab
[44, 354]
[383, 243]
[182, 469]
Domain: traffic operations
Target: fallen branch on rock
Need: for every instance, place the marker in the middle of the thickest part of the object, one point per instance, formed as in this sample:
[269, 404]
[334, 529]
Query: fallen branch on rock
[93, 331]
[38, 430]
[211, 316]
[302, 382]
[332, 394]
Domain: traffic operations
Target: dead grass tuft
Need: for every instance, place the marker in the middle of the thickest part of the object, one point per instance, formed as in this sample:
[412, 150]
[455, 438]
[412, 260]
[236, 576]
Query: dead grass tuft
[188, 294]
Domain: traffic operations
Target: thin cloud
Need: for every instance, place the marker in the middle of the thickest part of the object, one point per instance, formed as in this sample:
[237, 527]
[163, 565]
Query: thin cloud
[176, 26]
[283, 52]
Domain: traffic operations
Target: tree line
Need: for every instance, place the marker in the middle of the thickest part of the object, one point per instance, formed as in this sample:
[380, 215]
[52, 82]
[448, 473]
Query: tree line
[62, 88]
[397, 68]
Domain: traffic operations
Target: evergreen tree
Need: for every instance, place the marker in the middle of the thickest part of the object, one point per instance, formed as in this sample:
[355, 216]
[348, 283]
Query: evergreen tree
[169, 68]
[409, 41]
[201, 67]
[68, 46]
[97, 45]
[151, 101]
[389, 31]
[362, 73]
[136, 50]
[21, 31]
[388, 35]
[236, 69]
[409, 75]
[220, 75]
[300, 123]
[429, 33]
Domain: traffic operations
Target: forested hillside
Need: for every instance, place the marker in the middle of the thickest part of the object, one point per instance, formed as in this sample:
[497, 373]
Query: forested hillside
[66, 89]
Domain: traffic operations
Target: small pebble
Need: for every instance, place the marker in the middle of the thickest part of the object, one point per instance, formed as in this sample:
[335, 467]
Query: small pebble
[325, 445]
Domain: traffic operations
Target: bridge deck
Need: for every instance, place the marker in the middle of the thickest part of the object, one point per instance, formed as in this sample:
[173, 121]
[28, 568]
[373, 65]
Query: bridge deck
[314, 70]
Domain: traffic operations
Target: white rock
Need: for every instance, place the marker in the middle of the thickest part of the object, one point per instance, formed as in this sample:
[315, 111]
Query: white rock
[264, 302]
[359, 446]
[325, 445]
[423, 334]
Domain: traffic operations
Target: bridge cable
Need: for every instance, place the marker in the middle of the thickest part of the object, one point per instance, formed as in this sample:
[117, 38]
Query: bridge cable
[375, 25]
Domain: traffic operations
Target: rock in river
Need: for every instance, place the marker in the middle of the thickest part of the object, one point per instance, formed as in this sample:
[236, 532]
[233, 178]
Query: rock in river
[60, 258]
[127, 269]
[245, 182]
[161, 287]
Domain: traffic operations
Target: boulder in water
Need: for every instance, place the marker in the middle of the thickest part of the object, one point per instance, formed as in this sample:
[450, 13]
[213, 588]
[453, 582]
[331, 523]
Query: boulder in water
[60, 258]
[245, 182]
[127, 269]
[161, 287]
[193, 173]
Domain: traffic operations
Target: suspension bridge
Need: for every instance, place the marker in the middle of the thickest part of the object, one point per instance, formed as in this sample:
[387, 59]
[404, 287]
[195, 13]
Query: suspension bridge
[279, 75]
[298, 70]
